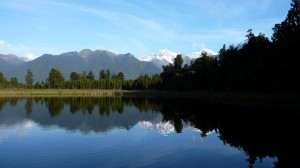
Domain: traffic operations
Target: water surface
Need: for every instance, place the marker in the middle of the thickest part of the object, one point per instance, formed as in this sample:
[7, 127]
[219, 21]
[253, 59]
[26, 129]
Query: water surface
[140, 132]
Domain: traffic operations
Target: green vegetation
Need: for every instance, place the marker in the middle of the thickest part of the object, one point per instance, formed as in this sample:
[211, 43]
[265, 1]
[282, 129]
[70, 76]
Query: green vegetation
[257, 65]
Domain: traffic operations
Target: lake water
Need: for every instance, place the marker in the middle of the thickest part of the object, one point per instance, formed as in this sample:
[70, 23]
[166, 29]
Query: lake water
[144, 132]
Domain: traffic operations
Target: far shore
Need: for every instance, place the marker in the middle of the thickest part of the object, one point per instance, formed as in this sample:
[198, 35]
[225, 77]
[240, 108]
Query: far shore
[21, 92]
[239, 98]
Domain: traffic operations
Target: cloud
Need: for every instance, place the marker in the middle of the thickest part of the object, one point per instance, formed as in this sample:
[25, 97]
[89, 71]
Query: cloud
[133, 23]
[197, 46]
[4, 44]
[19, 50]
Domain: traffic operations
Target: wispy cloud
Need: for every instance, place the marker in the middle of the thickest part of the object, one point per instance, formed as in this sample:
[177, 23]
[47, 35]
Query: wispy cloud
[20, 50]
[4, 44]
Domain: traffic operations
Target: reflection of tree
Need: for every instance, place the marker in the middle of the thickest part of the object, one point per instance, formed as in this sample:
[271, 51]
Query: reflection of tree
[55, 105]
[13, 101]
[28, 106]
[256, 131]
[253, 130]
[3, 101]
[104, 107]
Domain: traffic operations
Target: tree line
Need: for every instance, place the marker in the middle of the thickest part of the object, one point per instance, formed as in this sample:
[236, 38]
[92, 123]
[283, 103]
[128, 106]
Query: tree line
[259, 64]
[84, 80]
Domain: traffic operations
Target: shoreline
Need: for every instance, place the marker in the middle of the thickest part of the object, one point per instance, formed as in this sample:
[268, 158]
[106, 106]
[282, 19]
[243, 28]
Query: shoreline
[273, 100]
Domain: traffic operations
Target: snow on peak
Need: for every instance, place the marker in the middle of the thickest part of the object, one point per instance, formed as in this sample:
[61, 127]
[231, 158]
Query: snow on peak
[163, 128]
[208, 51]
[162, 55]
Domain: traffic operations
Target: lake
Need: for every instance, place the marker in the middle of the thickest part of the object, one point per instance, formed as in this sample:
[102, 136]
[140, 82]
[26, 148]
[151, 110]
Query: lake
[144, 132]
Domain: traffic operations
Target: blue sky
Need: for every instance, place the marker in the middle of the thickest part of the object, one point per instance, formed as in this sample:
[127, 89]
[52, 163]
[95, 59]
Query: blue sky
[35, 27]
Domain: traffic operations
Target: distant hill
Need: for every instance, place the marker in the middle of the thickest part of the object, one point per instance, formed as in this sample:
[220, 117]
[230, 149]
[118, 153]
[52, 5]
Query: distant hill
[85, 60]
[9, 61]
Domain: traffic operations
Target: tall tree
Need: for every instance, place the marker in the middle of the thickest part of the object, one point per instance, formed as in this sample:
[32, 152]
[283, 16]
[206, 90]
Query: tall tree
[291, 25]
[29, 78]
[286, 59]
[90, 76]
[178, 61]
[102, 74]
[75, 76]
[120, 76]
[14, 81]
[55, 79]
[2, 78]
[107, 76]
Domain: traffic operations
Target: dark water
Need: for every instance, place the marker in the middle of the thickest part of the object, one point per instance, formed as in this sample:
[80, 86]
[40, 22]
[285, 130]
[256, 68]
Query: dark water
[140, 132]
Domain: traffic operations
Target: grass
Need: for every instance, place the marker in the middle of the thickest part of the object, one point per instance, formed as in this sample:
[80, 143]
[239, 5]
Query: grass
[58, 92]
[235, 98]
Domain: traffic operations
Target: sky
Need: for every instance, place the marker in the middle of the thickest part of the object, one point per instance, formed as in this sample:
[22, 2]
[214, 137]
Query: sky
[31, 28]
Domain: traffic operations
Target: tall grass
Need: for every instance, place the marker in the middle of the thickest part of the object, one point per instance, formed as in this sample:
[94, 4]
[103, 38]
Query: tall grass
[58, 92]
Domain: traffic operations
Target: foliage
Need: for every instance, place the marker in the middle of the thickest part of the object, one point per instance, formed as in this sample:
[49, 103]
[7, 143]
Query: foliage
[55, 79]
[258, 65]
[29, 78]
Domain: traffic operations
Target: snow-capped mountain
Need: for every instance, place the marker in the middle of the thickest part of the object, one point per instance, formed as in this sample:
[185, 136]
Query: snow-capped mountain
[164, 57]
[209, 52]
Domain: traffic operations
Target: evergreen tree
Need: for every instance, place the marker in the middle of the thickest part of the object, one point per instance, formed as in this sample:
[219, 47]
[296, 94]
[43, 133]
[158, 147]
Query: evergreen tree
[14, 82]
[90, 76]
[29, 78]
[75, 76]
[55, 79]
[107, 75]
[102, 74]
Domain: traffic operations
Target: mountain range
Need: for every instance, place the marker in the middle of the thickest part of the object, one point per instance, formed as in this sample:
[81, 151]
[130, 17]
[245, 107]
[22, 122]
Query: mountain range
[88, 60]
[85, 60]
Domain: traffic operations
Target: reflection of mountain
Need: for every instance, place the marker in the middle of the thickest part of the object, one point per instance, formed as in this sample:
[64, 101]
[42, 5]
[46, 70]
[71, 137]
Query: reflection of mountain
[84, 122]
[259, 132]
[162, 127]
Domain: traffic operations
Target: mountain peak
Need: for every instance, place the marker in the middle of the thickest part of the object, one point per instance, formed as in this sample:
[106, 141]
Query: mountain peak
[166, 52]
[14, 59]
[85, 52]
[164, 57]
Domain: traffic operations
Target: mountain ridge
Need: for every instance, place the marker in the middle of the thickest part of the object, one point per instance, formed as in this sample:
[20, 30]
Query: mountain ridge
[84, 60]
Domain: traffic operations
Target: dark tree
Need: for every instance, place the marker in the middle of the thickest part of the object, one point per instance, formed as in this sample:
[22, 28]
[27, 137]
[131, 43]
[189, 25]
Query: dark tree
[290, 26]
[102, 74]
[120, 76]
[14, 82]
[75, 76]
[107, 75]
[29, 78]
[90, 76]
[55, 79]
[178, 61]
[2, 78]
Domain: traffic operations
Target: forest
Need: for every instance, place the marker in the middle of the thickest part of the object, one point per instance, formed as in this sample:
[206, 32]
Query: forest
[259, 64]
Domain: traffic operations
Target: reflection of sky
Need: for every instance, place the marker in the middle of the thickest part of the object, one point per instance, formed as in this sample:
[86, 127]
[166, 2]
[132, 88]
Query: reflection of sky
[165, 127]
[19, 130]
[162, 127]
[28, 143]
